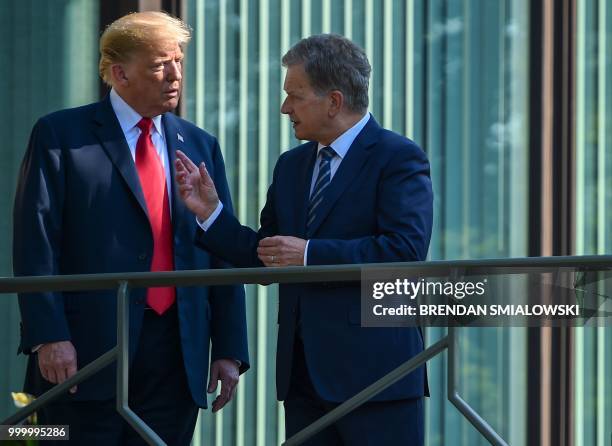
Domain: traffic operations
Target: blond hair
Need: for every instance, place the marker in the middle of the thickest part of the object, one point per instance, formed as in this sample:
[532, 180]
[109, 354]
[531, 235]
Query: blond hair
[136, 32]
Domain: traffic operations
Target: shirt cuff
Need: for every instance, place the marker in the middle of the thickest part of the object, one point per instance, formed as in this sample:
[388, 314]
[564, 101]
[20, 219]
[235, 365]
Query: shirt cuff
[306, 253]
[206, 224]
[36, 348]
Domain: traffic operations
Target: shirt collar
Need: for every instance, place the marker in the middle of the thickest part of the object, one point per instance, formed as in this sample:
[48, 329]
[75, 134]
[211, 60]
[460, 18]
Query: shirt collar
[127, 116]
[342, 143]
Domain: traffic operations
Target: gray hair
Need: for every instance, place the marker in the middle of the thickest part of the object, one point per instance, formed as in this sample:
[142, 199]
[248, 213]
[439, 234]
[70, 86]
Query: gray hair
[333, 62]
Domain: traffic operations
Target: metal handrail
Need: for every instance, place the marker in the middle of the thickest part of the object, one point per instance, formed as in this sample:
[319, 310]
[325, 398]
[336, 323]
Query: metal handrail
[369, 392]
[294, 274]
[264, 276]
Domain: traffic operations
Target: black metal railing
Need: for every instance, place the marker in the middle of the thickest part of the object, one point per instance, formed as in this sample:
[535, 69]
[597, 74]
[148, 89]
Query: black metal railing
[331, 273]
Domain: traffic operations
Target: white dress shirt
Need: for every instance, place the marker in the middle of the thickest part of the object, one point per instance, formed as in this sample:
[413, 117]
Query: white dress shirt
[341, 146]
[128, 119]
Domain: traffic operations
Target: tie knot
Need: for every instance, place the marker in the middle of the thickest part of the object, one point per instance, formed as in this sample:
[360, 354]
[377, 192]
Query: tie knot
[145, 125]
[327, 153]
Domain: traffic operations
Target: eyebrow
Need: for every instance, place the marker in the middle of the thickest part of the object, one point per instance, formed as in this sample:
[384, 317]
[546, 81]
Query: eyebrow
[159, 60]
[168, 57]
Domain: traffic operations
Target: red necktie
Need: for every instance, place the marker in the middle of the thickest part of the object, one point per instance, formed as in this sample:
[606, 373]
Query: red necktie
[153, 183]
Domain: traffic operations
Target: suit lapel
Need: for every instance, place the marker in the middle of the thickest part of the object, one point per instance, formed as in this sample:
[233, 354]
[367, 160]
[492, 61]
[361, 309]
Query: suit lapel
[174, 141]
[347, 171]
[113, 141]
[304, 181]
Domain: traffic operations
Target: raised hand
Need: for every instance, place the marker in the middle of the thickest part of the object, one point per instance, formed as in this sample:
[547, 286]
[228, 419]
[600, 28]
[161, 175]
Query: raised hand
[195, 186]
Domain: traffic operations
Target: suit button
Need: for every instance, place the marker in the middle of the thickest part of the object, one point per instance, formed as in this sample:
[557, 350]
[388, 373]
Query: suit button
[142, 256]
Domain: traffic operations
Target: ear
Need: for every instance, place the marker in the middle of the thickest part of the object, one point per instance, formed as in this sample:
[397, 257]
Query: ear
[336, 101]
[119, 75]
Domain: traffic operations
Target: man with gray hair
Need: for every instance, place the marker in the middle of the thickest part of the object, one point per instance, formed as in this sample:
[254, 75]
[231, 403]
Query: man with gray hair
[96, 195]
[355, 193]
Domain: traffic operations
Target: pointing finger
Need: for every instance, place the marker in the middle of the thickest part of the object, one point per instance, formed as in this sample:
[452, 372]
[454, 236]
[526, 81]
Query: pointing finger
[189, 165]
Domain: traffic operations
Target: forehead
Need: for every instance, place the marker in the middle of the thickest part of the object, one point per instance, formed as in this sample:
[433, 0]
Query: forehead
[296, 78]
[163, 49]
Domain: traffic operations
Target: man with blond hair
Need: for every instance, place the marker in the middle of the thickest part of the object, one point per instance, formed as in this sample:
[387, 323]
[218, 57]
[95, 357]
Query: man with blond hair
[96, 195]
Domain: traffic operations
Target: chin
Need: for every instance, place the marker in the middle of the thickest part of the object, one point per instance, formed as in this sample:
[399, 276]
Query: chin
[299, 135]
[169, 105]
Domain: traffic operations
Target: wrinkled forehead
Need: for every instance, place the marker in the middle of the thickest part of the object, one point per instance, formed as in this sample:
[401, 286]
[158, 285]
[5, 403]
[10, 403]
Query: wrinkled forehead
[164, 49]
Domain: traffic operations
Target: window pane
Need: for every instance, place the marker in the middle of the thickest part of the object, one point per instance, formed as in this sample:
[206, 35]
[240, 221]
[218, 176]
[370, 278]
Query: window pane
[593, 368]
[50, 61]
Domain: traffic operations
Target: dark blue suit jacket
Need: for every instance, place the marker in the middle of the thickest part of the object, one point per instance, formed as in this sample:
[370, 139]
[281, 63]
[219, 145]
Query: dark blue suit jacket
[79, 209]
[378, 208]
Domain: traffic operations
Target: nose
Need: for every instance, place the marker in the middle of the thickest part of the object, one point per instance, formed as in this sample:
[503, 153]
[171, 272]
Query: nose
[174, 71]
[285, 109]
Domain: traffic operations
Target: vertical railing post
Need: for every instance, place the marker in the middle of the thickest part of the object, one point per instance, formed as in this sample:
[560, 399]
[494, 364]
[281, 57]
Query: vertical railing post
[451, 376]
[123, 368]
[451, 379]
[453, 396]
[123, 344]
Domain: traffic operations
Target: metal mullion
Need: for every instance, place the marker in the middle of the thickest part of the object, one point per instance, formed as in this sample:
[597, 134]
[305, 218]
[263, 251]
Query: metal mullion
[369, 47]
[326, 16]
[409, 58]
[388, 64]
[262, 183]
[348, 18]
[602, 228]
[306, 18]
[200, 59]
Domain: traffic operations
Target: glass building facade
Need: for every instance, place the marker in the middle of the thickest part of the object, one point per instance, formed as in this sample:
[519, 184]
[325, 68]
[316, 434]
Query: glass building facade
[593, 345]
[50, 54]
[456, 76]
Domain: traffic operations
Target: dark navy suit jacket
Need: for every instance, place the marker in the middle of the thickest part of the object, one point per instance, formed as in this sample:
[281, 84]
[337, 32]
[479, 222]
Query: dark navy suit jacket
[378, 208]
[79, 209]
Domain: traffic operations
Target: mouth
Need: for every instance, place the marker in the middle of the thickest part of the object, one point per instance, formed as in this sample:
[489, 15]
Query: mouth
[171, 93]
[294, 123]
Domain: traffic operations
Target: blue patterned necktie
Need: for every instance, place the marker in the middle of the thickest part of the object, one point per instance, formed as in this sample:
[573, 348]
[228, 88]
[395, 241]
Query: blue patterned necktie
[323, 179]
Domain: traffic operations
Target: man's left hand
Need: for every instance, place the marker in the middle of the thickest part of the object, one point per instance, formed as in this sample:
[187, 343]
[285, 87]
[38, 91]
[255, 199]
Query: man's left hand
[226, 371]
[282, 250]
